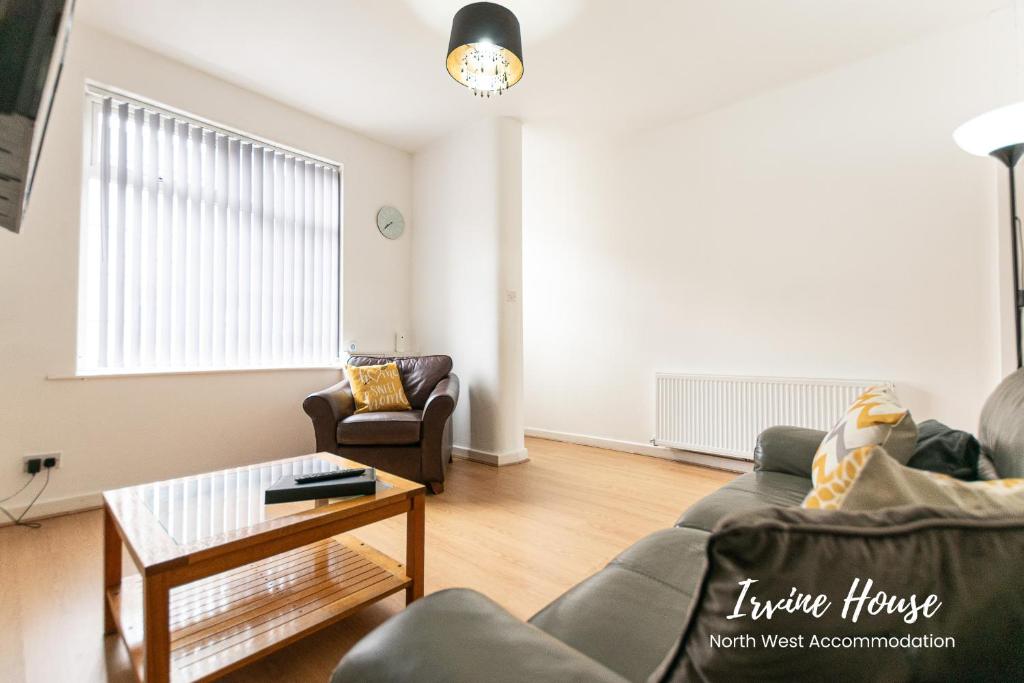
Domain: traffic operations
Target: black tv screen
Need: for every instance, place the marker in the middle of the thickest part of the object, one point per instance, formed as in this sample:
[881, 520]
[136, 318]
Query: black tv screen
[33, 38]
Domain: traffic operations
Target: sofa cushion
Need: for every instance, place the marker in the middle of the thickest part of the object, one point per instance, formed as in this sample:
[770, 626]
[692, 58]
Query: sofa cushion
[420, 374]
[628, 615]
[870, 480]
[377, 388]
[1002, 430]
[460, 636]
[752, 490]
[971, 565]
[400, 428]
[946, 450]
[876, 418]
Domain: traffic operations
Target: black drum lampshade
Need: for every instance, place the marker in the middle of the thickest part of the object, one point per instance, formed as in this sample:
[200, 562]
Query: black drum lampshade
[485, 52]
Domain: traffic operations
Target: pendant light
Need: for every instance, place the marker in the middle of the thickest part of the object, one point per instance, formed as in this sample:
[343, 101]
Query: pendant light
[485, 52]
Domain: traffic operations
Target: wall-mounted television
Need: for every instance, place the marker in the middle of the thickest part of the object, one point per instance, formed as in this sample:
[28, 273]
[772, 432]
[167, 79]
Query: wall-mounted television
[33, 39]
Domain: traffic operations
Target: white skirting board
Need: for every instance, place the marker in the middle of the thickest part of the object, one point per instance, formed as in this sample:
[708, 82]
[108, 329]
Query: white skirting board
[717, 462]
[90, 501]
[57, 506]
[489, 458]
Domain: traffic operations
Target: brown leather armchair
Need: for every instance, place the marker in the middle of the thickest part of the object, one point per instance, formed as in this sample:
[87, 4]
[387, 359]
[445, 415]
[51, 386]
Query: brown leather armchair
[414, 444]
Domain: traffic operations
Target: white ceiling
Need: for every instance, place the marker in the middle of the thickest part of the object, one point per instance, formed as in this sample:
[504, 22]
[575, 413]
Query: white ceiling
[378, 67]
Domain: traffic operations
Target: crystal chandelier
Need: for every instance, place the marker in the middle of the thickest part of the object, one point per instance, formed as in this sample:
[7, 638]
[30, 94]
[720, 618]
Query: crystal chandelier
[485, 51]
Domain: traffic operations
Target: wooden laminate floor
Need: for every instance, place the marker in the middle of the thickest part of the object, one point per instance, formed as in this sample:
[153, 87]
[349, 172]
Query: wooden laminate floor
[522, 535]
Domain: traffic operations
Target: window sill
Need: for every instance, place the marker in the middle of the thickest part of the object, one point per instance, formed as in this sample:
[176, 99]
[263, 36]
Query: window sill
[175, 373]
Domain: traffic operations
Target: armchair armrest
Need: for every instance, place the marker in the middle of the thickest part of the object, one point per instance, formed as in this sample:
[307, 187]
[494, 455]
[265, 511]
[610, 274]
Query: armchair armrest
[789, 450]
[441, 402]
[437, 433]
[326, 408]
[460, 636]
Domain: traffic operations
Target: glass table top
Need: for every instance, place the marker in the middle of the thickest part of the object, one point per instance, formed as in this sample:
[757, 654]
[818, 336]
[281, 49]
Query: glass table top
[206, 505]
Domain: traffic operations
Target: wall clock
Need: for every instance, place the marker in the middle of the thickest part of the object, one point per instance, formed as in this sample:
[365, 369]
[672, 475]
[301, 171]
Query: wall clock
[390, 222]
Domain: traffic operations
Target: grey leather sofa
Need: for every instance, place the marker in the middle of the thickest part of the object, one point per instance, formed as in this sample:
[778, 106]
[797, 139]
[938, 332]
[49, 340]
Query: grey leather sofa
[619, 624]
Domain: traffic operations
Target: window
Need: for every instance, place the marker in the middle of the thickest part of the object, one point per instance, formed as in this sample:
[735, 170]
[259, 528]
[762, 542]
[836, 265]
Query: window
[203, 249]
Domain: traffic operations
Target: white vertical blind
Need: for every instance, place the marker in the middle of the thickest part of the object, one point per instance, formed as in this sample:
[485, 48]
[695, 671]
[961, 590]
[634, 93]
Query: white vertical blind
[203, 249]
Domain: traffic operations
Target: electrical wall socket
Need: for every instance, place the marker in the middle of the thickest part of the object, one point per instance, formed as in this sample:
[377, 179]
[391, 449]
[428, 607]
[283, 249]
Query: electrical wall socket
[41, 457]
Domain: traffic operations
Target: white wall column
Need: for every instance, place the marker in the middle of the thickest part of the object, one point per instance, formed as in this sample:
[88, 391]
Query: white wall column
[467, 279]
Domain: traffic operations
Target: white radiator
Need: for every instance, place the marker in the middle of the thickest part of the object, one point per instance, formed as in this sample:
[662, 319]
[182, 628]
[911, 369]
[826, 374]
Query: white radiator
[724, 415]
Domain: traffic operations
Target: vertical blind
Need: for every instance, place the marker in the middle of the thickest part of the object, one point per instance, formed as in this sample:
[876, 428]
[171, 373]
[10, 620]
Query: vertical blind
[203, 248]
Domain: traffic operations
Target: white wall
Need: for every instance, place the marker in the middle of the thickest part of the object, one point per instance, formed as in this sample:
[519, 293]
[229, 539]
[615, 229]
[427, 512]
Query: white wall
[115, 432]
[467, 278]
[828, 229]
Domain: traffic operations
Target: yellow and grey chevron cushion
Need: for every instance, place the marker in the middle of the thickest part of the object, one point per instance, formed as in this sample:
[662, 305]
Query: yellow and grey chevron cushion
[876, 418]
[868, 479]
[829, 492]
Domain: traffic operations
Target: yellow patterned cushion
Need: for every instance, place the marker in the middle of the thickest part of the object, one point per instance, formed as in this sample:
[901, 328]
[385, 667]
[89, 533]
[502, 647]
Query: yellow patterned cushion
[377, 388]
[876, 418]
[868, 479]
[830, 491]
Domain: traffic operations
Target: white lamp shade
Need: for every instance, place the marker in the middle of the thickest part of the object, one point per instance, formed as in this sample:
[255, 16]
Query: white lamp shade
[993, 130]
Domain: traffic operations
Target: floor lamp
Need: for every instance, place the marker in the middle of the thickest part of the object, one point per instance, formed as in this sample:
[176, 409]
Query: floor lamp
[1000, 134]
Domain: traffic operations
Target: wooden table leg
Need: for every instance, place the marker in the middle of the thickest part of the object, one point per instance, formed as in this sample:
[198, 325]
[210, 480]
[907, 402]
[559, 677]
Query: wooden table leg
[415, 533]
[156, 596]
[111, 567]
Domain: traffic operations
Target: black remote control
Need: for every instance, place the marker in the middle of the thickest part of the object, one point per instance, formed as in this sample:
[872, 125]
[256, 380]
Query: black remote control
[327, 476]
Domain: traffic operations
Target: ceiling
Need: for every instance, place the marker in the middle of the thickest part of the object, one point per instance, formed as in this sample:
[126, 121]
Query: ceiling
[378, 67]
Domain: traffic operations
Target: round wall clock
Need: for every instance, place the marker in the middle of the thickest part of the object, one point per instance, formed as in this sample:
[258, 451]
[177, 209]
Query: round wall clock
[390, 222]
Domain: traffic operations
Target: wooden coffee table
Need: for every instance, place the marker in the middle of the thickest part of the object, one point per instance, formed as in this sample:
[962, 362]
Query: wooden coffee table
[225, 579]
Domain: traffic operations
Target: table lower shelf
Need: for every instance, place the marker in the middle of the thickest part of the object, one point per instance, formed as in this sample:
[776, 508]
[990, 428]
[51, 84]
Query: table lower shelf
[222, 622]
